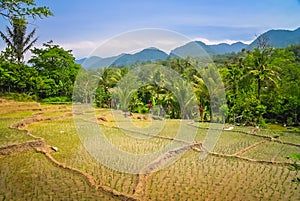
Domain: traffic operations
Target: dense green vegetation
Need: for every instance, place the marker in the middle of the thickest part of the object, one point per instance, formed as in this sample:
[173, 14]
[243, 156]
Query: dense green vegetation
[51, 73]
[260, 85]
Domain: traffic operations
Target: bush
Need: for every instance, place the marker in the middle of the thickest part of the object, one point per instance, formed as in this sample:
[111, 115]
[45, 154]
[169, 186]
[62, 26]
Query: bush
[262, 123]
[140, 110]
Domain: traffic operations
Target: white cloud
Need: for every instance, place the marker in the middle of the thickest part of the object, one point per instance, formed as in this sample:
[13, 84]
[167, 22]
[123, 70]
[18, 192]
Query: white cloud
[134, 41]
[128, 42]
[80, 45]
[80, 49]
[115, 47]
[119, 45]
[215, 42]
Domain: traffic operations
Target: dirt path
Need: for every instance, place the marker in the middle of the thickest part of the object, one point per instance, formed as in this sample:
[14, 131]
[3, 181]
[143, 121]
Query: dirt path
[250, 159]
[254, 134]
[239, 153]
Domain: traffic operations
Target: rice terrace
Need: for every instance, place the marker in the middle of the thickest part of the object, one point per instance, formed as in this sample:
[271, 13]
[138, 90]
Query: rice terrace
[150, 100]
[243, 166]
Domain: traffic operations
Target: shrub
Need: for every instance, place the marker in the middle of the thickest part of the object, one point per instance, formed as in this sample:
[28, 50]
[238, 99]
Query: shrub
[56, 100]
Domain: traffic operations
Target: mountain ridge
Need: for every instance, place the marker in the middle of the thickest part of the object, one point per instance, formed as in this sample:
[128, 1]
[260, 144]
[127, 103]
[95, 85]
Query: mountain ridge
[278, 38]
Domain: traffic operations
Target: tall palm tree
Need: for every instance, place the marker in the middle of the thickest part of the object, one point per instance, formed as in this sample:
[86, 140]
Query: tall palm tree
[209, 89]
[261, 68]
[201, 91]
[122, 93]
[17, 40]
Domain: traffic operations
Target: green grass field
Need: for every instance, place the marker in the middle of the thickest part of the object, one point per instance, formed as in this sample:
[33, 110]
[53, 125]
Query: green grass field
[240, 167]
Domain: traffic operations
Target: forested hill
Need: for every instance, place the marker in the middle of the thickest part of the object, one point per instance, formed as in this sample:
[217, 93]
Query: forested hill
[278, 38]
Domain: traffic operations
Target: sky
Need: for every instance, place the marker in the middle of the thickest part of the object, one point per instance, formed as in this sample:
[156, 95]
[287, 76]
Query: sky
[85, 25]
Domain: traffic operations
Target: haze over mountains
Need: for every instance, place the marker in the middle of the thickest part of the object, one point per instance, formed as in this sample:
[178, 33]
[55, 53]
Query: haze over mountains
[276, 38]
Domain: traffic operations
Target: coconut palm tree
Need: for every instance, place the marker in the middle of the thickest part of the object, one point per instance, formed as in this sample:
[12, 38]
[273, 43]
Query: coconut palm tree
[259, 67]
[124, 91]
[202, 94]
[16, 39]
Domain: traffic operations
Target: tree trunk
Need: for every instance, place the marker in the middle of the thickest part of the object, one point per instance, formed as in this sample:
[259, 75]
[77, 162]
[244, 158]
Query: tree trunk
[258, 89]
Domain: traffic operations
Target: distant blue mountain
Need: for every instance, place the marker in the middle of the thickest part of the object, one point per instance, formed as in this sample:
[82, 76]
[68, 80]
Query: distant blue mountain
[89, 62]
[224, 48]
[278, 38]
[193, 49]
[200, 49]
[275, 38]
[95, 62]
[149, 54]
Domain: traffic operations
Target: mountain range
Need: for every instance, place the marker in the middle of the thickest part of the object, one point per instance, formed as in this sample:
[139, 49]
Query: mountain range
[275, 38]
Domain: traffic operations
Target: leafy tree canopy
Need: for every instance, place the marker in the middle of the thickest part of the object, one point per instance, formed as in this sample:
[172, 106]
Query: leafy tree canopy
[57, 70]
[11, 9]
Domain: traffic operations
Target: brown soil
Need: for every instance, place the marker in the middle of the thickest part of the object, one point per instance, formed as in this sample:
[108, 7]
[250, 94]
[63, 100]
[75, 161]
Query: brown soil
[21, 147]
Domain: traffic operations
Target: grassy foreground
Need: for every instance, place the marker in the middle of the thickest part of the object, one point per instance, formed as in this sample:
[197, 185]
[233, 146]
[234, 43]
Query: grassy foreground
[242, 166]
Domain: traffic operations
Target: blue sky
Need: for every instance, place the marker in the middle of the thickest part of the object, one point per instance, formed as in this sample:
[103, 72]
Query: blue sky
[83, 25]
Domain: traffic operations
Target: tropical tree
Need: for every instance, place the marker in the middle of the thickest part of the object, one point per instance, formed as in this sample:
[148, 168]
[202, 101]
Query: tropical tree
[123, 92]
[17, 41]
[296, 50]
[185, 96]
[284, 103]
[234, 76]
[57, 69]
[215, 91]
[261, 69]
[177, 64]
[232, 72]
[10, 9]
[202, 95]
[106, 79]
[83, 87]
[18, 78]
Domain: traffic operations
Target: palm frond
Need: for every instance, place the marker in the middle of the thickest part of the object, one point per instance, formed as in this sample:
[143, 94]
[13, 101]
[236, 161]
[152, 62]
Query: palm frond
[29, 37]
[6, 39]
[9, 32]
[29, 46]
